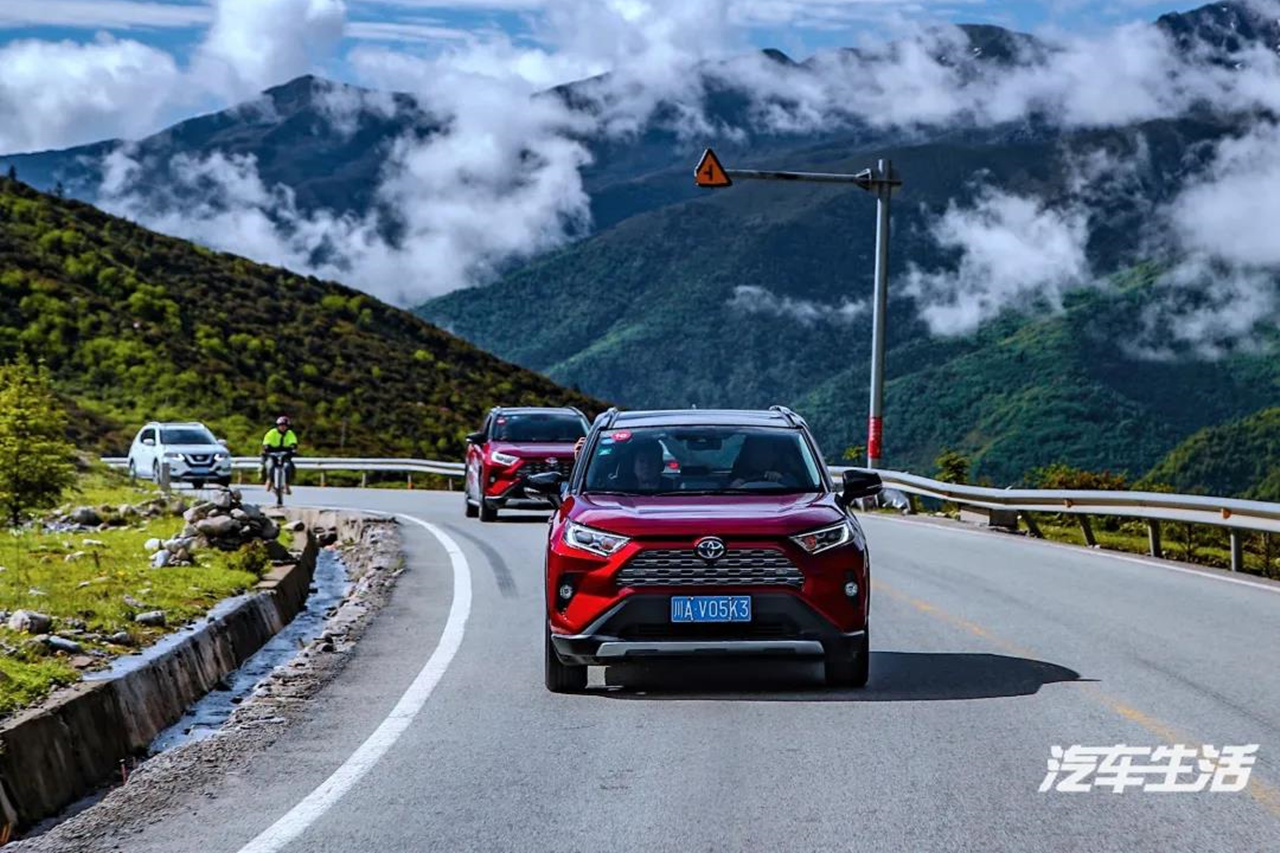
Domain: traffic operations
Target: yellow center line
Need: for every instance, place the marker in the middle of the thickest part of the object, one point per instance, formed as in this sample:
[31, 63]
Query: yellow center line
[1264, 794]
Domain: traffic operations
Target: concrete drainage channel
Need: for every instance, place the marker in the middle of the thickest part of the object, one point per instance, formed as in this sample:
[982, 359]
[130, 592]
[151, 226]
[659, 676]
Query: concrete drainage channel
[238, 664]
[206, 716]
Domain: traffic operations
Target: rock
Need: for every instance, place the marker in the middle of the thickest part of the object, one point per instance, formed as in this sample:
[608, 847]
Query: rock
[270, 530]
[252, 511]
[85, 515]
[134, 603]
[152, 618]
[160, 559]
[182, 557]
[237, 496]
[62, 644]
[30, 622]
[93, 543]
[76, 555]
[198, 512]
[222, 525]
[73, 624]
[190, 532]
[223, 501]
[152, 545]
[121, 638]
[239, 514]
[81, 661]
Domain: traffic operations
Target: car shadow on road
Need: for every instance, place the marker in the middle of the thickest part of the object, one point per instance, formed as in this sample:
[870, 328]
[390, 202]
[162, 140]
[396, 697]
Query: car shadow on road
[895, 677]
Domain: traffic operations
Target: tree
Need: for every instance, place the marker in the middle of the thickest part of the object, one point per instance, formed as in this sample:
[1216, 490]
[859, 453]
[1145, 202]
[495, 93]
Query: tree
[953, 467]
[13, 172]
[59, 190]
[35, 456]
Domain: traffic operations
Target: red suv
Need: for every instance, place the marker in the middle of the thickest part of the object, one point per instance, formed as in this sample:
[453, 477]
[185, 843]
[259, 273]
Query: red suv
[513, 445]
[700, 533]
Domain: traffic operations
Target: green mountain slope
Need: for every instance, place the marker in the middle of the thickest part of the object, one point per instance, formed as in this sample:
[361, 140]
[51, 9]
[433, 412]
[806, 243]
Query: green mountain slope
[135, 325]
[1240, 457]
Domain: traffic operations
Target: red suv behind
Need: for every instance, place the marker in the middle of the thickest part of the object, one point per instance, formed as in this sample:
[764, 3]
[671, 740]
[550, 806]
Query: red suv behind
[514, 444]
[700, 533]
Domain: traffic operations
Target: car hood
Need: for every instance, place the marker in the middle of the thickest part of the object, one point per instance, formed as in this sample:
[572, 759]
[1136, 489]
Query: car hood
[534, 449]
[703, 515]
[196, 449]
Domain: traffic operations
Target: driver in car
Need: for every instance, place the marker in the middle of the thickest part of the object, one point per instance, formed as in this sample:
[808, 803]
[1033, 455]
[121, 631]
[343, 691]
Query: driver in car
[760, 461]
[646, 466]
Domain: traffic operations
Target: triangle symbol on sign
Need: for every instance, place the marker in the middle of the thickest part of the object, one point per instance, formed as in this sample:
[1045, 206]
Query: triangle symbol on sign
[710, 173]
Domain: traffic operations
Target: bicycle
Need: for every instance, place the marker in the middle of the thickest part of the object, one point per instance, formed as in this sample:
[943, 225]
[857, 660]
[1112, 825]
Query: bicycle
[278, 473]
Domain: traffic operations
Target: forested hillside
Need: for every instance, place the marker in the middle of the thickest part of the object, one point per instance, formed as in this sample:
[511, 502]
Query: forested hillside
[135, 325]
[1241, 457]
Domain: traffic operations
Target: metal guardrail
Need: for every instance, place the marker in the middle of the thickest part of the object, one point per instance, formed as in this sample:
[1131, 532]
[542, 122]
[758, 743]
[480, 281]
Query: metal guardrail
[340, 463]
[1194, 509]
[1154, 507]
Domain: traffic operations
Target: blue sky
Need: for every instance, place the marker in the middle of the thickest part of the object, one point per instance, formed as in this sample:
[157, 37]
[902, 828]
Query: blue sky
[799, 27]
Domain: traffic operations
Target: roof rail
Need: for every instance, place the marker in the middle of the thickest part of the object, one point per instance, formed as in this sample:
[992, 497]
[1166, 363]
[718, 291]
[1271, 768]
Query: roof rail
[610, 417]
[792, 417]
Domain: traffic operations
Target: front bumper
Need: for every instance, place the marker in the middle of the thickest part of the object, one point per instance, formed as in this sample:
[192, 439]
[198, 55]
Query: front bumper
[186, 472]
[781, 625]
[515, 496]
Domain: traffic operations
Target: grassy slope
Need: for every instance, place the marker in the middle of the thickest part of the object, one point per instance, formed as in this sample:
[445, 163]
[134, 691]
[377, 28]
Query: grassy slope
[92, 586]
[136, 326]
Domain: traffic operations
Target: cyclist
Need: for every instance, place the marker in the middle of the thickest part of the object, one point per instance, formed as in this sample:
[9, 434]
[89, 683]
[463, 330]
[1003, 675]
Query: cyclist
[280, 437]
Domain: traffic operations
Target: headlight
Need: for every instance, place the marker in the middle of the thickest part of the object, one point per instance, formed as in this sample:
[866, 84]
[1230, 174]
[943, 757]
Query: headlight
[219, 457]
[503, 458]
[172, 455]
[595, 541]
[825, 538]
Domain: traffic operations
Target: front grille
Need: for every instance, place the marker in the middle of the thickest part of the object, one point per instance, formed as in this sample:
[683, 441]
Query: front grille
[542, 466]
[199, 458]
[738, 567]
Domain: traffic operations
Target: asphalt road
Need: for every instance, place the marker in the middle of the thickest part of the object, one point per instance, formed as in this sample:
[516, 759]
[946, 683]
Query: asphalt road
[987, 651]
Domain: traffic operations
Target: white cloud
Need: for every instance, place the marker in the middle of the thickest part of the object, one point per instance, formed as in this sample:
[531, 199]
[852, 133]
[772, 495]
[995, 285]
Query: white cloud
[254, 44]
[759, 300]
[1014, 252]
[55, 93]
[104, 14]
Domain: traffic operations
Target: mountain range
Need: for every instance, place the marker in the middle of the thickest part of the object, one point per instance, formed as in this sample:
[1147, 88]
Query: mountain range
[757, 295]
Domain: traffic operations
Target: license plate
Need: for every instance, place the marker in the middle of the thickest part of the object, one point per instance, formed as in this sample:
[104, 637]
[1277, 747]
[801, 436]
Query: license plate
[711, 608]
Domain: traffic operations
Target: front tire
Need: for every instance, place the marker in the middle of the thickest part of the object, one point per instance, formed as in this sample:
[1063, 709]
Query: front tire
[472, 509]
[850, 666]
[487, 511]
[133, 472]
[562, 677]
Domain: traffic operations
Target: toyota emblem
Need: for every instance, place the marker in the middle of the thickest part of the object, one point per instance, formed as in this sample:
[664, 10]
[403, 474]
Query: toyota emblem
[709, 548]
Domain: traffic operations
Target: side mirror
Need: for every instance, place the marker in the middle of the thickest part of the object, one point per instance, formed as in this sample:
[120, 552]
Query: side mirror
[149, 442]
[222, 441]
[548, 485]
[858, 484]
[475, 438]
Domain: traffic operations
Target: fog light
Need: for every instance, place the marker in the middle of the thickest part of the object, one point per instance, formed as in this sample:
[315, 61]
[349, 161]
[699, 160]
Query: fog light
[851, 589]
[566, 591]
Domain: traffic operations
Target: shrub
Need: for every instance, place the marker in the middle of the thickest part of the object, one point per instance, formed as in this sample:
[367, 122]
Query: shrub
[35, 456]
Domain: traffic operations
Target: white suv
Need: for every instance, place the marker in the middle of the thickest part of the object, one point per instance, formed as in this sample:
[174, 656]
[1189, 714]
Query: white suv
[194, 456]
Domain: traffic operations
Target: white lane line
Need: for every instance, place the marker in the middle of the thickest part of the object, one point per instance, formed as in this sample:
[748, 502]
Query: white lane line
[1207, 573]
[327, 794]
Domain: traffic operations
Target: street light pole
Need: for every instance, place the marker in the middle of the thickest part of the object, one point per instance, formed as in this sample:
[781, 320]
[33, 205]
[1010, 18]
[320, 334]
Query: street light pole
[879, 310]
[884, 182]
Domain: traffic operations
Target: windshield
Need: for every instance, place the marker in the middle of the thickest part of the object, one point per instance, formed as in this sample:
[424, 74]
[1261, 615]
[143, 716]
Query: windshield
[540, 427]
[186, 435]
[703, 460]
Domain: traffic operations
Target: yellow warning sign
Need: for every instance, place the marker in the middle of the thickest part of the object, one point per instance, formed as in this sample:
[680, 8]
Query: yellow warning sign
[710, 173]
